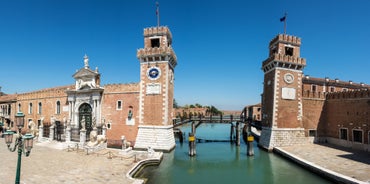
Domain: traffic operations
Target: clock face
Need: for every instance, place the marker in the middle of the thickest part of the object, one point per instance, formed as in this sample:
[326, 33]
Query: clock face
[153, 73]
[289, 78]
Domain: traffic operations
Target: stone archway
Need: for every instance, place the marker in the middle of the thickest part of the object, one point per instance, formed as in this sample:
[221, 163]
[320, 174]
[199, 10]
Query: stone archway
[85, 118]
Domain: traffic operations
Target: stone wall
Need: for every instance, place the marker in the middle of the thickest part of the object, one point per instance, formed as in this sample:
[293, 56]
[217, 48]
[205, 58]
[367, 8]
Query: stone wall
[277, 137]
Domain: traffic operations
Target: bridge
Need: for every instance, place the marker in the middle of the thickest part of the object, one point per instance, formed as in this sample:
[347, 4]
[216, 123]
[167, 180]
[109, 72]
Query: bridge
[196, 121]
[210, 119]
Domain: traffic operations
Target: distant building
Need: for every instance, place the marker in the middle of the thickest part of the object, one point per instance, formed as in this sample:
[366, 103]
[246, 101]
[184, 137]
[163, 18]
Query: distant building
[298, 108]
[253, 112]
[141, 112]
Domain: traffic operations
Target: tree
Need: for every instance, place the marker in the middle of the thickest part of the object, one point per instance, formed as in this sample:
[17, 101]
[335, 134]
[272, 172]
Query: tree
[212, 110]
[175, 105]
[198, 105]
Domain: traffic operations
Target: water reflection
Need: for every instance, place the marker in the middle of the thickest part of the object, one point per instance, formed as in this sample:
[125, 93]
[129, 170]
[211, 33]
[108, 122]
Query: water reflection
[222, 162]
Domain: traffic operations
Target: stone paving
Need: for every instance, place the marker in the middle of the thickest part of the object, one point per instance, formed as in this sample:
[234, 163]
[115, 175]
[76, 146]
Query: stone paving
[343, 161]
[50, 162]
[54, 165]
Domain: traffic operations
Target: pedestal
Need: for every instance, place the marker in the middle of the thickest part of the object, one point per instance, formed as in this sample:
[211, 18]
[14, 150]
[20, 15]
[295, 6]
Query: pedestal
[104, 130]
[275, 137]
[51, 134]
[82, 137]
[41, 133]
[68, 134]
[156, 137]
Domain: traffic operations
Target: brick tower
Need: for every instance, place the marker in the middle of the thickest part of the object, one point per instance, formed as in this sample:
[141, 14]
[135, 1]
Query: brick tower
[282, 89]
[157, 64]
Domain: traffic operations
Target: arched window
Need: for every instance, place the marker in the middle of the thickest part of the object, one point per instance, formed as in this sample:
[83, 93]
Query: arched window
[19, 107]
[58, 107]
[30, 108]
[40, 108]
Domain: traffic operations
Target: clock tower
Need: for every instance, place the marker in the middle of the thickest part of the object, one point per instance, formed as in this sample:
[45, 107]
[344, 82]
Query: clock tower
[157, 64]
[282, 89]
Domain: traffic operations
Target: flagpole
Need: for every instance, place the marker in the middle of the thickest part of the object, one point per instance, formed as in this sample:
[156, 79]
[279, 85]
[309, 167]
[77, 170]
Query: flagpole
[285, 22]
[157, 12]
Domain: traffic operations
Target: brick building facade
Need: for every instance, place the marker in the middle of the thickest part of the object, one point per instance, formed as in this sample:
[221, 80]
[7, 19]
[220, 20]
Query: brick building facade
[141, 112]
[298, 108]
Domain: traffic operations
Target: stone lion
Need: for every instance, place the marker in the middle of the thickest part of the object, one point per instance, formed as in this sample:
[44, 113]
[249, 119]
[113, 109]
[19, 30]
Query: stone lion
[96, 139]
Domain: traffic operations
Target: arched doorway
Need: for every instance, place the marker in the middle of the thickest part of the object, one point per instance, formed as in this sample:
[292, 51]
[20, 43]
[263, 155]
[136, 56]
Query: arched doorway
[85, 118]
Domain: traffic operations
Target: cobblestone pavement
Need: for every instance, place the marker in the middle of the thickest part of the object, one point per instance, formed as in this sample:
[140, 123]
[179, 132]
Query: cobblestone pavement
[354, 164]
[48, 165]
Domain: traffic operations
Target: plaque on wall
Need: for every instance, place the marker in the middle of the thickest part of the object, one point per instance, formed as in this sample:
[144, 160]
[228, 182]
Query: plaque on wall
[65, 108]
[153, 88]
[288, 93]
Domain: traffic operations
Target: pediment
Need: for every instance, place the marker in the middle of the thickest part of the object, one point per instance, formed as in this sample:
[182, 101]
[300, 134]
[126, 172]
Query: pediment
[85, 73]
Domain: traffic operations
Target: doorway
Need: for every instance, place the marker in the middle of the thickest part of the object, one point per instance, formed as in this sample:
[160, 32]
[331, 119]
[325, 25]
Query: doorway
[85, 118]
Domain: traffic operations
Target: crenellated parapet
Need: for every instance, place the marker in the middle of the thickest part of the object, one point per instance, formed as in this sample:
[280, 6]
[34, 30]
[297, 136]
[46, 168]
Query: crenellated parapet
[286, 38]
[284, 52]
[357, 94]
[158, 31]
[313, 95]
[122, 88]
[285, 59]
[151, 54]
[45, 93]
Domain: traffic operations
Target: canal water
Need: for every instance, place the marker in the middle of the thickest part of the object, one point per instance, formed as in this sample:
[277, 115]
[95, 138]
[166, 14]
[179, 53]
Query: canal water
[223, 162]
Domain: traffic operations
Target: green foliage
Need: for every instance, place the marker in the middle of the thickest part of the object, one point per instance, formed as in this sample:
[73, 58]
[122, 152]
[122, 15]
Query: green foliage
[212, 110]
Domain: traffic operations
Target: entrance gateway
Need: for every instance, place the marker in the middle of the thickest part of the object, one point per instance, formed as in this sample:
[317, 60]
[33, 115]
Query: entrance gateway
[84, 111]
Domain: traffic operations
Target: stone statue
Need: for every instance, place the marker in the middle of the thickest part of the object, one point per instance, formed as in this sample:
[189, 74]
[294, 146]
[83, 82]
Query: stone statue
[83, 123]
[33, 129]
[95, 139]
[86, 61]
[42, 121]
[150, 151]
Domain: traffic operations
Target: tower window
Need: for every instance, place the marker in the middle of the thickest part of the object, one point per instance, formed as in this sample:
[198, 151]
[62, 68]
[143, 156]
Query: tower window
[314, 88]
[155, 42]
[289, 51]
[332, 89]
[119, 105]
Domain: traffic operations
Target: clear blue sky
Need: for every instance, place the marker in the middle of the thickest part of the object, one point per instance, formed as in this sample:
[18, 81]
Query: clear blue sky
[220, 45]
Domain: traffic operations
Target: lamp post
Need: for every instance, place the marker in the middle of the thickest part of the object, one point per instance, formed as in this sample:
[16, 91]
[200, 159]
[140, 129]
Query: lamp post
[24, 143]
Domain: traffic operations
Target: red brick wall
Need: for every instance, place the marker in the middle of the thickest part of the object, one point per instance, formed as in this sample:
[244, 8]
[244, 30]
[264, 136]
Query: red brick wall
[48, 99]
[129, 95]
[351, 112]
[267, 98]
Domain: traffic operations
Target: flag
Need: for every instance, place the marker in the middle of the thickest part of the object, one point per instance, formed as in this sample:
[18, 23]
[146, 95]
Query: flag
[282, 19]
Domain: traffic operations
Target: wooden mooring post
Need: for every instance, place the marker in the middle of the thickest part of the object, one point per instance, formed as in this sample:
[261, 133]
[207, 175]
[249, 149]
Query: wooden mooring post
[250, 140]
[237, 141]
[192, 151]
[231, 132]
[192, 140]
